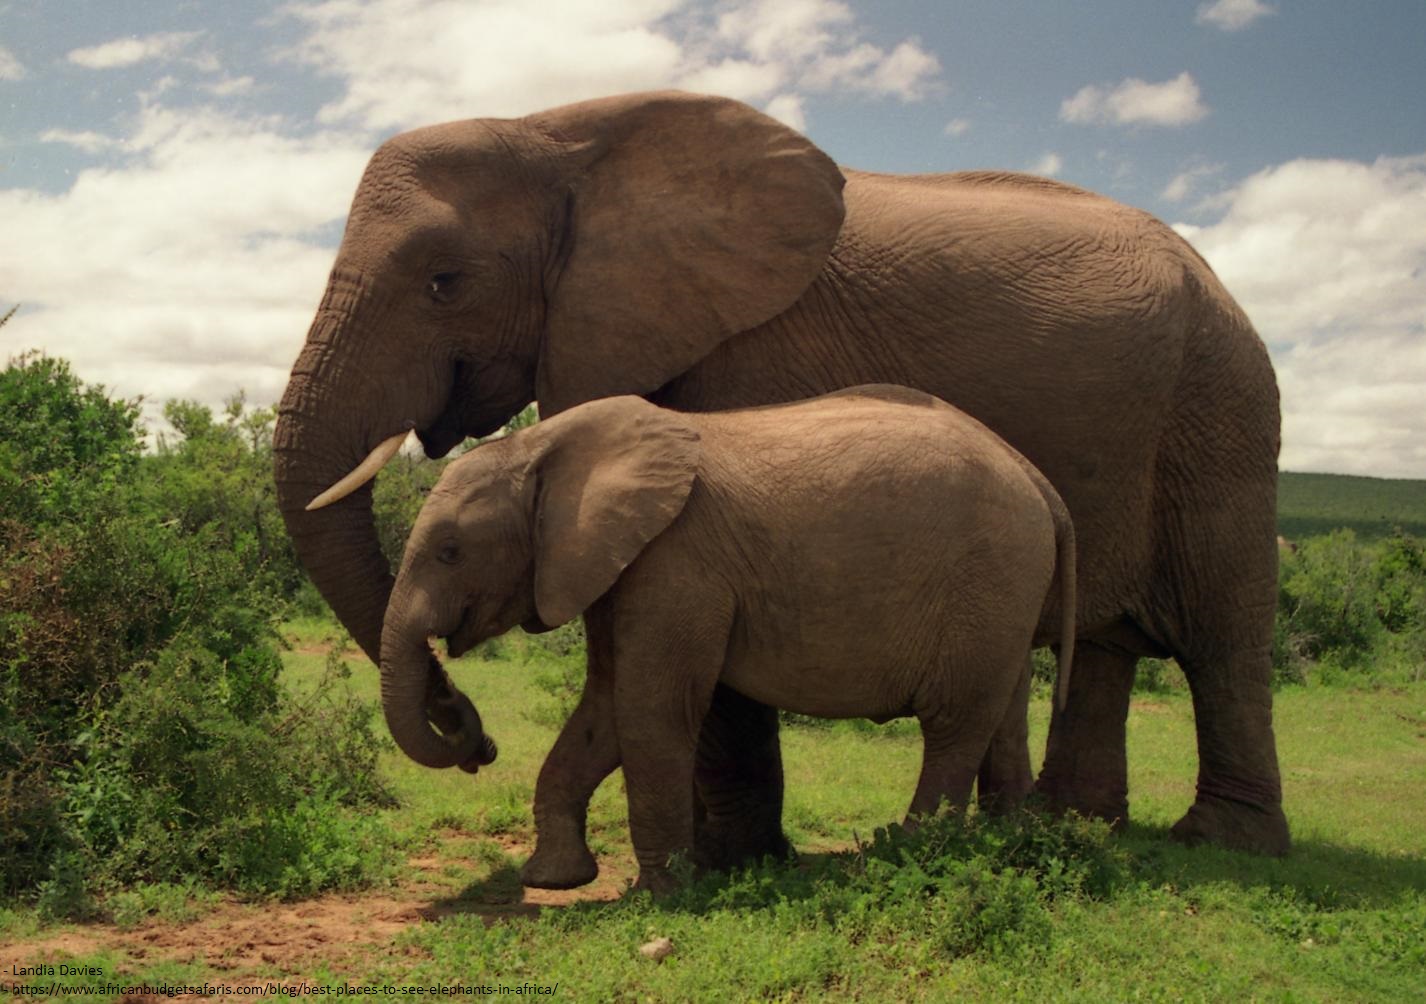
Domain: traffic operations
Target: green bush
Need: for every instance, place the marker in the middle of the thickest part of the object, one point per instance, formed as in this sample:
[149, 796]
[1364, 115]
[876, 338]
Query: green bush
[963, 884]
[63, 446]
[215, 478]
[144, 734]
[1351, 609]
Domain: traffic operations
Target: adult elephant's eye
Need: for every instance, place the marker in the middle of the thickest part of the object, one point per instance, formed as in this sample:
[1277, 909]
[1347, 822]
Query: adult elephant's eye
[442, 287]
[449, 554]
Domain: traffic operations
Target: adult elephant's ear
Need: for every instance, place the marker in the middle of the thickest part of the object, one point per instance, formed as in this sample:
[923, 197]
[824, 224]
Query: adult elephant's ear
[608, 477]
[693, 218]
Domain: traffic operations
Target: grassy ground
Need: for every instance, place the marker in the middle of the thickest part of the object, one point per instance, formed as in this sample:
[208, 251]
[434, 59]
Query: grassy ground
[1343, 917]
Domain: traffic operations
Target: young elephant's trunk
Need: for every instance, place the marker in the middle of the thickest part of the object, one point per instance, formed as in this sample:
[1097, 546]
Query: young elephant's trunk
[411, 682]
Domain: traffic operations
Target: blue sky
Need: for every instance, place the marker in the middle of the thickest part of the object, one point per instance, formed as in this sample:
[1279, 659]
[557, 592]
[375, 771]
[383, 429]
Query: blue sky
[174, 177]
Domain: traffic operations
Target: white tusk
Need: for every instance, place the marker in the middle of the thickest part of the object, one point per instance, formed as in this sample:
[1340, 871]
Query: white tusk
[364, 472]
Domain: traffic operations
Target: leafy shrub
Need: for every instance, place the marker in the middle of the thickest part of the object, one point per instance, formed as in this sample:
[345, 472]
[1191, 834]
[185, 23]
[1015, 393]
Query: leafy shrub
[1353, 608]
[978, 883]
[63, 445]
[144, 735]
[216, 479]
[962, 884]
[204, 769]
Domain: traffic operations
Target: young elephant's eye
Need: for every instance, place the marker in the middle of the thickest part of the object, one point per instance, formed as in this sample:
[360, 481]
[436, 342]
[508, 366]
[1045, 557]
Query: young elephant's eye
[448, 554]
[442, 287]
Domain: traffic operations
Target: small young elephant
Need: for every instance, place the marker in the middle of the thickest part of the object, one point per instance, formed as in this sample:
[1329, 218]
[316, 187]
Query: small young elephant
[870, 553]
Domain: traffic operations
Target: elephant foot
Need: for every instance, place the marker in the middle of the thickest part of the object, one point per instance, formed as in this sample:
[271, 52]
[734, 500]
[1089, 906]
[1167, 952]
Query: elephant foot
[1235, 825]
[726, 847]
[1002, 796]
[1108, 802]
[551, 870]
[660, 882]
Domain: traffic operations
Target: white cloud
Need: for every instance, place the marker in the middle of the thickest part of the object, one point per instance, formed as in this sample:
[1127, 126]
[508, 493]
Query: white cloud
[1232, 15]
[230, 87]
[1136, 102]
[505, 57]
[128, 51]
[787, 109]
[1329, 259]
[785, 30]
[1049, 165]
[190, 268]
[508, 57]
[1186, 182]
[10, 67]
[734, 78]
[819, 44]
[906, 73]
[957, 127]
[88, 141]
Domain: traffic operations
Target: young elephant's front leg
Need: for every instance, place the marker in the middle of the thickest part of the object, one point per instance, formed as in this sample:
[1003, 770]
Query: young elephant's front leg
[586, 752]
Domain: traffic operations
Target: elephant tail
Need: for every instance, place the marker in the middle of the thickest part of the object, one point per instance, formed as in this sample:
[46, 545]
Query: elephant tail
[1065, 572]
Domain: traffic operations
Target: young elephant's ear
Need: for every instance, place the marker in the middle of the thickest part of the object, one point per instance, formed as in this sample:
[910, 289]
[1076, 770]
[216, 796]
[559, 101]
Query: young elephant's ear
[692, 218]
[611, 475]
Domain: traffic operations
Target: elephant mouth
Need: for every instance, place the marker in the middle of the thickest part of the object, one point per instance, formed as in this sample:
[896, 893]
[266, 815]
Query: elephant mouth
[448, 431]
[455, 422]
[464, 637]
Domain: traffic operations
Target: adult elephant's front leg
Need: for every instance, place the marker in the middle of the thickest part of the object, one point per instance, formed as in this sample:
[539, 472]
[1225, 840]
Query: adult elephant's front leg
[738, 784]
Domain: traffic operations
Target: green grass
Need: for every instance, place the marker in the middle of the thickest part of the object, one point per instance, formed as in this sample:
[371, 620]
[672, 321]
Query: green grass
[1342, 917]
[1312, 504]
[1006, 914]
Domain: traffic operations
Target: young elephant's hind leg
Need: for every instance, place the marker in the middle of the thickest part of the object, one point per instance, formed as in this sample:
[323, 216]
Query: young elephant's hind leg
[1005, 777]
[957, 727]
[954, 746]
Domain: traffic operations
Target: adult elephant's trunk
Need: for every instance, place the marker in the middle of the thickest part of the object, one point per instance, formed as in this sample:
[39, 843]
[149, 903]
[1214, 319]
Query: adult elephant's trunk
[337, 545]
[330, 411]
[409, 689]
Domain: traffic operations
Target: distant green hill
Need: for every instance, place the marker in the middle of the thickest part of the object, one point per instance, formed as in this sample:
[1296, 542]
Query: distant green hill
[1312, 504]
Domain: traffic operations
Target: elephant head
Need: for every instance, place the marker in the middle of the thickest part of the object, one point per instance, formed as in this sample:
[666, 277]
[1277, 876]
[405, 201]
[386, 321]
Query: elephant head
[591, 250]
[530, 529]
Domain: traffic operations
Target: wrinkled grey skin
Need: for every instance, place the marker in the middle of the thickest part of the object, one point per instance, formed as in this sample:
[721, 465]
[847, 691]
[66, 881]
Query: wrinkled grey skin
[695, 252]
[873, 552]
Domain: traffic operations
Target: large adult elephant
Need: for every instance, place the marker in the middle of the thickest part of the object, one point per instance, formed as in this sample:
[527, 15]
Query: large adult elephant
[694, 251]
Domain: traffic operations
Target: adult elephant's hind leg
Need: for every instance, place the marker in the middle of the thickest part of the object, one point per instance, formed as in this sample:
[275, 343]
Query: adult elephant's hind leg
[1085, 767]
[1224, 645]
[738, 783]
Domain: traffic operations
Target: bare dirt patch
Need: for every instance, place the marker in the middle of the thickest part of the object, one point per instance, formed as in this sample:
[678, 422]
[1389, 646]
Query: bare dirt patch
[238, 944]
